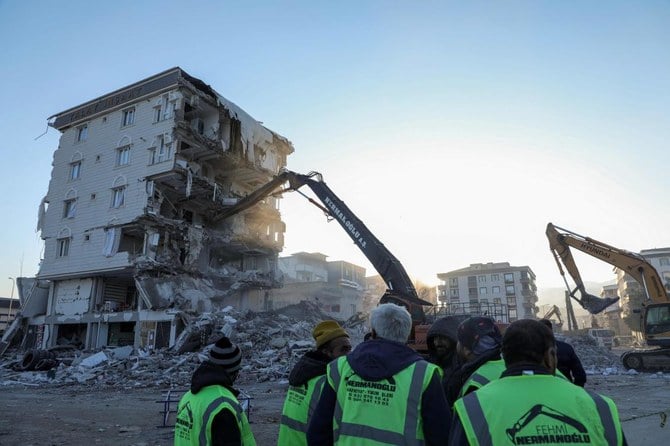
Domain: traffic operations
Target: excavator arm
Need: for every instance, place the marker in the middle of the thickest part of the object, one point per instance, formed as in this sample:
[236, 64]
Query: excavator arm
[554, 311]
[399, 286]
[560, 242]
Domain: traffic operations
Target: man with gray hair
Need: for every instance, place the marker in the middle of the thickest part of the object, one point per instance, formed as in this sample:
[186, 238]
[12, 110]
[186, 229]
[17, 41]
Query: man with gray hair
[383, 392]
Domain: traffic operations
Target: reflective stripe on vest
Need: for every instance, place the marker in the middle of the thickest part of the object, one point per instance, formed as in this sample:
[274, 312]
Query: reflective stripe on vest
[300, 426]
[605, 418]
[210, 410]
[196, 412]
[546, 396]
[486, 373]
[365, 431]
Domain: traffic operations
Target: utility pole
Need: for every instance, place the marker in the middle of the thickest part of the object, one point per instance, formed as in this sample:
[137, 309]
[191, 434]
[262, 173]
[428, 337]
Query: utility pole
[11, 299]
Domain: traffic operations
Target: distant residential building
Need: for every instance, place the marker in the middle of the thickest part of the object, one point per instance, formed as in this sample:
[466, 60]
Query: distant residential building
[131, 221]
[504, 292]
[337, 286]
[610, 317]
[8, 309]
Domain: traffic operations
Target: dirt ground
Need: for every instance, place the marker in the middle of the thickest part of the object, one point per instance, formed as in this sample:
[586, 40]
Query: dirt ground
[84, 416]
[31, 416]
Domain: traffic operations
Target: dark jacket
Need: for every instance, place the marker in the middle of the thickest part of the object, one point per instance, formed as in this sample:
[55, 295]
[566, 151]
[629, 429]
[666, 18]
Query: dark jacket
[569, 363]
[457, 436]
[224, 426]
[454, 383]
[312, 364]
[447, 327]
[376, 360]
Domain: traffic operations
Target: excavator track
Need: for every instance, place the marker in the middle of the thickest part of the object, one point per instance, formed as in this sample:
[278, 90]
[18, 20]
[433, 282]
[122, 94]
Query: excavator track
[647, 360]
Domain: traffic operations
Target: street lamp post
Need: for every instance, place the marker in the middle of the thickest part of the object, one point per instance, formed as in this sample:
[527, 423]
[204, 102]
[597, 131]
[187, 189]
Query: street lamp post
[11, 299]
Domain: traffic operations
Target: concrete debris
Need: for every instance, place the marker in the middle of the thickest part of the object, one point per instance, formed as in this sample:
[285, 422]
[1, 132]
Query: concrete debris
[596, 360]
[271, 343]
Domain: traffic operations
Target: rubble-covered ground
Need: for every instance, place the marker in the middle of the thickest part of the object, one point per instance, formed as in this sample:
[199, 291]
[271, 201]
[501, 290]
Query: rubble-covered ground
[114, 395]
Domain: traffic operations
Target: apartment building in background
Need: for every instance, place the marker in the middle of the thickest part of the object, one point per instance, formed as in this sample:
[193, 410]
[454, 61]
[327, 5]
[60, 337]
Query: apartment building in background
[504, 292]
[132, 225]
[8, 309]
[337, 287]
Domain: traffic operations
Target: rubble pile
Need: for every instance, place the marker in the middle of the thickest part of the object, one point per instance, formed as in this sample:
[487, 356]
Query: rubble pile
[595, 359]
[271, 343]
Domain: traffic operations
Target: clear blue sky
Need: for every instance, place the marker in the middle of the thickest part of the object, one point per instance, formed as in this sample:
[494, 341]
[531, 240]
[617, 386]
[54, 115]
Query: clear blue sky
[456, 130]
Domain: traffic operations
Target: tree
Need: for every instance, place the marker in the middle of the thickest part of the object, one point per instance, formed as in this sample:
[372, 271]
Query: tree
[425, 292]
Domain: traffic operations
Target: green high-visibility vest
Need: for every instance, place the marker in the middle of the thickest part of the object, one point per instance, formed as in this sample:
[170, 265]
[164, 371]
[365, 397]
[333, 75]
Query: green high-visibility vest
[299, 405]
[196, 413]
[487, 372]
[538, 409]
[379, 412]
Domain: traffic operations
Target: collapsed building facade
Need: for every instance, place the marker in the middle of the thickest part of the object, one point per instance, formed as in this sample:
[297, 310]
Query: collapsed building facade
[133, 236]
[336, 287]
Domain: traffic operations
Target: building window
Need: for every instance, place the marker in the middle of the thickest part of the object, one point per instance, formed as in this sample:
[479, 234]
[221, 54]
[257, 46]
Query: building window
[163, 108]
[123, 156]
[82, 132]
[495, 277]
[63, 247]
[495, 289]
[511, 300]
[482, 290]
[509, 277]
[70, 208]
[481, 279]
[497, 301]
[472, 292]
[453, 281]
[75, 170]
[509, 290]
[118, 196]
[128, 117]
[162, 151]
[454, 292]
[665, 261]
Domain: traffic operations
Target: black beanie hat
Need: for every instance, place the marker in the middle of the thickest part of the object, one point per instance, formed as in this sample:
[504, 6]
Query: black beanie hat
[474, 328]
[226, 354]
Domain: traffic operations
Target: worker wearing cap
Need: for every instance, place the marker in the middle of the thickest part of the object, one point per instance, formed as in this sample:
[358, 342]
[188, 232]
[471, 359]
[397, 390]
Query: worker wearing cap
[528, 404]
[382, 393]
[209, 413]
[306, 381]
[478, 348]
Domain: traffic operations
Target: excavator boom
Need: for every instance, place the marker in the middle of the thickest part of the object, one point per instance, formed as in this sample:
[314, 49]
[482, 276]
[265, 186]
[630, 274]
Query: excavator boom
[399, 286]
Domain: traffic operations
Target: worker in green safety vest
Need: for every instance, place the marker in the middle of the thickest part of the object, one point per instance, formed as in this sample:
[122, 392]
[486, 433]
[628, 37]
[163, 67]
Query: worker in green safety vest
[383, 392]
[306, 381]
[478, 348]
[209, 413]
[528, 404]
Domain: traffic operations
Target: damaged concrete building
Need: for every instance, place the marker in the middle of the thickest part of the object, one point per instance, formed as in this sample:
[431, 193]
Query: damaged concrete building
[337, 287]
[131, 221]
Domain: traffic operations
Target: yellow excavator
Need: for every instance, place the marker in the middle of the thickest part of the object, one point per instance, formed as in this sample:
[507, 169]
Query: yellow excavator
[554, 311]
[655, 311]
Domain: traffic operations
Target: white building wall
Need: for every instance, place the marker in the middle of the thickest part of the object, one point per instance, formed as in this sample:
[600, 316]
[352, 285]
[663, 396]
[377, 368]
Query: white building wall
[93, 189]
